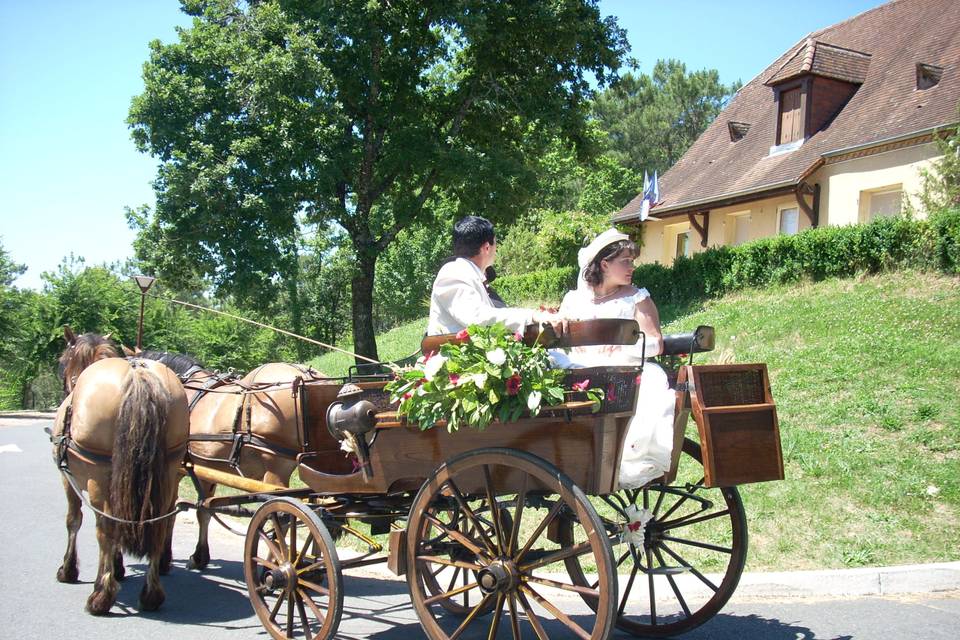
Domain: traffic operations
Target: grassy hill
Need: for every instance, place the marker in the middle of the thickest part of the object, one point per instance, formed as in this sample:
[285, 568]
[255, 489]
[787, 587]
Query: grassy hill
[866, 375]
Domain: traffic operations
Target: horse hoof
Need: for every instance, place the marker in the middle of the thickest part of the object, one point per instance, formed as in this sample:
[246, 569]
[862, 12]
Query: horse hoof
[151, 600]
[99, 603]
[68, 575]
[198, 561]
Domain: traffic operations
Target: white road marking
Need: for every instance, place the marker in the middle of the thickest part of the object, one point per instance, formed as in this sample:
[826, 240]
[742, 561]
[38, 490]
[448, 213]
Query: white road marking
[10, 448]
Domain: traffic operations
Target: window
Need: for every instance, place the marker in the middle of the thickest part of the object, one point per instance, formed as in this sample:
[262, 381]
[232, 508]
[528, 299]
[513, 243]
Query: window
[741, 229]
[737, 130]
[683, 244]
[791, 120]
[884, 204]
[789, 221]
[928, 75]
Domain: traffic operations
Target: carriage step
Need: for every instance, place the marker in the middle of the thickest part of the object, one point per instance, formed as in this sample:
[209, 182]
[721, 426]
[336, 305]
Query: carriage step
[668, 571]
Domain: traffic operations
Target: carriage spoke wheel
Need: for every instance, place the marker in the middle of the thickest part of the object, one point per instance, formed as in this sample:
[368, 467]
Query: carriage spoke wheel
[444, 577]
[292, 571]
[679, 568]
[492, 513]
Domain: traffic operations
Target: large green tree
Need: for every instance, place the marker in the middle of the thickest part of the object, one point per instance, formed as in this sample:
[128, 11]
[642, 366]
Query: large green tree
[274, 114]
[651, 120]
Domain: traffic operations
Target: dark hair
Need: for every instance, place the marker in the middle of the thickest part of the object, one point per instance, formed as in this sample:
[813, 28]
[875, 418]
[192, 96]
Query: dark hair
[469, 234]
[593, 274]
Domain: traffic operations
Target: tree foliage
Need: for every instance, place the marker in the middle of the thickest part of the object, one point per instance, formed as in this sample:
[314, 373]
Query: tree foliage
[360, 112]
[651, 120]
[940, 187]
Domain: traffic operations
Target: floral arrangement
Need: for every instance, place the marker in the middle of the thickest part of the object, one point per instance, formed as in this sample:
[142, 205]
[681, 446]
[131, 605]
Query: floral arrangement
[487, 373]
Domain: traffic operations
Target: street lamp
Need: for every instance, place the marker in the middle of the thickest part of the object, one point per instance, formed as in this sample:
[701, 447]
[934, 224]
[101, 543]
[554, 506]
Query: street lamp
[144, 283]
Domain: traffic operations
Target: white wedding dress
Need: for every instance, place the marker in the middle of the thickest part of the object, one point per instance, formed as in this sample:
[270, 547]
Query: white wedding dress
[649, 439]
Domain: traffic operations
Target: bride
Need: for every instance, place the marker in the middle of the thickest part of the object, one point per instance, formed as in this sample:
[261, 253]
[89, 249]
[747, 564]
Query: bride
[604, 290]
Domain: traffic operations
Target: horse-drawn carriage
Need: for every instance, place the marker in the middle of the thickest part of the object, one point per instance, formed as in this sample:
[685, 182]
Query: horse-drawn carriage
[495, 530]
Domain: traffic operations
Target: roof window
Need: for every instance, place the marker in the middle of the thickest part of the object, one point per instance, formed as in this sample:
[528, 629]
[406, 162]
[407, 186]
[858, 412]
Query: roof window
[737, 130]
[928, 75]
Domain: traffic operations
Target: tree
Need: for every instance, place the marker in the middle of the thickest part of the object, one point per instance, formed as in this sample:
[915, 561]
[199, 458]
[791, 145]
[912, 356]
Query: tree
[940, 186]
[360, 112]
[651, 120]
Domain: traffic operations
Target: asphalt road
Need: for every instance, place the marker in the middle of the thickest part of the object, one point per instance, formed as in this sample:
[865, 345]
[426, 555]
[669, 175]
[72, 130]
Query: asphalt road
[214, 605]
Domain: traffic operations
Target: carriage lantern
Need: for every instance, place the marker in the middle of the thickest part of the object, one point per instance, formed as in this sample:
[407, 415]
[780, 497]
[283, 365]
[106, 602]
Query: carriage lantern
[144, 283]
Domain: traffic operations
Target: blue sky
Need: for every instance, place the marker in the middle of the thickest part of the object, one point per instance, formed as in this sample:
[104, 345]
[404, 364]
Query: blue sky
[68, 70]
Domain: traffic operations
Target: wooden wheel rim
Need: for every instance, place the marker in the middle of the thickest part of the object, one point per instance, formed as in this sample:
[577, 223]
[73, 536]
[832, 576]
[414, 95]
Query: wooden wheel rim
[286, 579]
[640, 622]
[514, 584]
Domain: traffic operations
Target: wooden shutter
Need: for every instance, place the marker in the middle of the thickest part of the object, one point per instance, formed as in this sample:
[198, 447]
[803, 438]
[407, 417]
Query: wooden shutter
[791, 122]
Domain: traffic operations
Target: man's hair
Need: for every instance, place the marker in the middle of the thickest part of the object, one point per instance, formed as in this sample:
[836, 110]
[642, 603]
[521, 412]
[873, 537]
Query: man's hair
[469, 234]
[593, 274]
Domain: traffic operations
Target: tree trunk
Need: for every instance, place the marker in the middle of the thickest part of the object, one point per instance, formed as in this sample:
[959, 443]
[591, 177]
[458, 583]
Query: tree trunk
[296, 314]
[364, 338]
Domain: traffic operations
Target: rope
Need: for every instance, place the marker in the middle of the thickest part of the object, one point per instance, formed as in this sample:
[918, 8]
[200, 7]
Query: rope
[181, 506]
[266, 326]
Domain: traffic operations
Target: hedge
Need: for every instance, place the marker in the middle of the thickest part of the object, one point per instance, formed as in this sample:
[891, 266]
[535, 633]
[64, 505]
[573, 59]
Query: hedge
[814, 254]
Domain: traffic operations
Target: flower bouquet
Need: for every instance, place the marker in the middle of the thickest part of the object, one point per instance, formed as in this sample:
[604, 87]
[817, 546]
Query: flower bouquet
[487, 373]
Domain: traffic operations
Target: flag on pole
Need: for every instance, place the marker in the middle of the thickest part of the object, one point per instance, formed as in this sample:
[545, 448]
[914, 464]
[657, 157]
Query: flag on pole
[651, 195]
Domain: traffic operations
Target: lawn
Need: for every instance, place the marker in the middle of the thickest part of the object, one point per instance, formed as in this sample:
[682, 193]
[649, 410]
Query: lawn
[866, 375]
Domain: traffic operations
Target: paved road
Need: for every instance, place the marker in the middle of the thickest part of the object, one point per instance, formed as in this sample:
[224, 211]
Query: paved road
[214, 605]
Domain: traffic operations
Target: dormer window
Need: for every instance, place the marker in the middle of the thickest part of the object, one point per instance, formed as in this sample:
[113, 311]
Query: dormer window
[928, 75]
[737, 130]
[791, 116]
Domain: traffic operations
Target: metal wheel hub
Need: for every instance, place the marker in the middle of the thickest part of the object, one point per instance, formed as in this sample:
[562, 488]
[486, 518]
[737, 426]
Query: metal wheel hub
[499, 576]
[280, 577]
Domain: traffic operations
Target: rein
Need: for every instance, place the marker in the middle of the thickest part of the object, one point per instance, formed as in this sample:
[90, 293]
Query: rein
[271, 328]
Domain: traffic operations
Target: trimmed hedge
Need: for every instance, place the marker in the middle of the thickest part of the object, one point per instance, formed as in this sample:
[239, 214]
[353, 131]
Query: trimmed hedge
[815, 254]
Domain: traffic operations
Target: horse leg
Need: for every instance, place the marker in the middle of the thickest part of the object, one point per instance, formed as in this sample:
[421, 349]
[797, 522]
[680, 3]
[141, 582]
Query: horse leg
[119, 571]
[105, 587]
[68, 571]
[166, 557]
[201, 555]
[152, 596]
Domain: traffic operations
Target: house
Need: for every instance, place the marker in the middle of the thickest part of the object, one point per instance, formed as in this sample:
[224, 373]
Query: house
[834, 132]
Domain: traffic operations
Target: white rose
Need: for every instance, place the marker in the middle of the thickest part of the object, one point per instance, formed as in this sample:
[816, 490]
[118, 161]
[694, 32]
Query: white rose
[480, 379]
[432, 366]
[533, 400]
[498, 356]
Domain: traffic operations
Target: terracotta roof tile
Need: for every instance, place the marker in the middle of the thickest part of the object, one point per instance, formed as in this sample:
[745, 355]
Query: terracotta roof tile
[897, 36]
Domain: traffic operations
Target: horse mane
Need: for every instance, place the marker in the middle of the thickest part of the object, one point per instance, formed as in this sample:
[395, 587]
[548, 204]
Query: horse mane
[85, 350]
[179, 363]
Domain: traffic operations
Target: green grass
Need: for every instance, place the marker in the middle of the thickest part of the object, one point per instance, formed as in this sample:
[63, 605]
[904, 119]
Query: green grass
[866, 376]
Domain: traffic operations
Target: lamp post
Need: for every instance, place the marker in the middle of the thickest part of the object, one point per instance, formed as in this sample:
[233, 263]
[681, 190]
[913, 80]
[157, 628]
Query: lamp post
[144, 283]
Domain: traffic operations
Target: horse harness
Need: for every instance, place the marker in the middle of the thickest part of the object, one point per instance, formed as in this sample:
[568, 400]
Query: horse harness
[241, 433]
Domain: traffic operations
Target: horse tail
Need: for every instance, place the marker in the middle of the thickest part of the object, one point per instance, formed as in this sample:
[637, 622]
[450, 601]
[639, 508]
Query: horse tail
[139, 482]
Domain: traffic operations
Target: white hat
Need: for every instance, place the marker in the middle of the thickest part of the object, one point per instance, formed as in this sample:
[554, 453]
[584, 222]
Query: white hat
[586, 255]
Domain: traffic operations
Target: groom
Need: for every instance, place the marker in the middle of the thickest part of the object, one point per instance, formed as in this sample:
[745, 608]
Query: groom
[460, 297]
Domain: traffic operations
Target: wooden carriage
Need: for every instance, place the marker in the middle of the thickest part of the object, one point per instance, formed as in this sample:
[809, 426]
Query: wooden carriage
[496, 529]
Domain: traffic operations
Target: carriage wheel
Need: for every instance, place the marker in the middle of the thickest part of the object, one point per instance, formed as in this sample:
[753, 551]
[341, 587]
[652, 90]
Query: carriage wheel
[292, 571]
[441, 578]
[511, 564]
[689, 559]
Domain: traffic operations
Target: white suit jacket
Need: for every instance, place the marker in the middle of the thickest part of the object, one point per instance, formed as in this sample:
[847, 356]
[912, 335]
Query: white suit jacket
[459, 299]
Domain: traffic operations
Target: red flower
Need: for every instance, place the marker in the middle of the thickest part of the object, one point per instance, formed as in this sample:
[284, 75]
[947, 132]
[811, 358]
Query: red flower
[518, 336]
[454, 378]
[513, 384]
[419, 382]
[463, 335]
[583, 385]
[407, 396]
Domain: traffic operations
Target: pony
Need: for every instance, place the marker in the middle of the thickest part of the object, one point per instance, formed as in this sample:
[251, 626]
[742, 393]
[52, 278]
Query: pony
[119, 434]
[259, 426]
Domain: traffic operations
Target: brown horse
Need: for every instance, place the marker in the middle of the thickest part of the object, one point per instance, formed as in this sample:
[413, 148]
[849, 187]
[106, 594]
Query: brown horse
[256, 426]
[120, 434]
